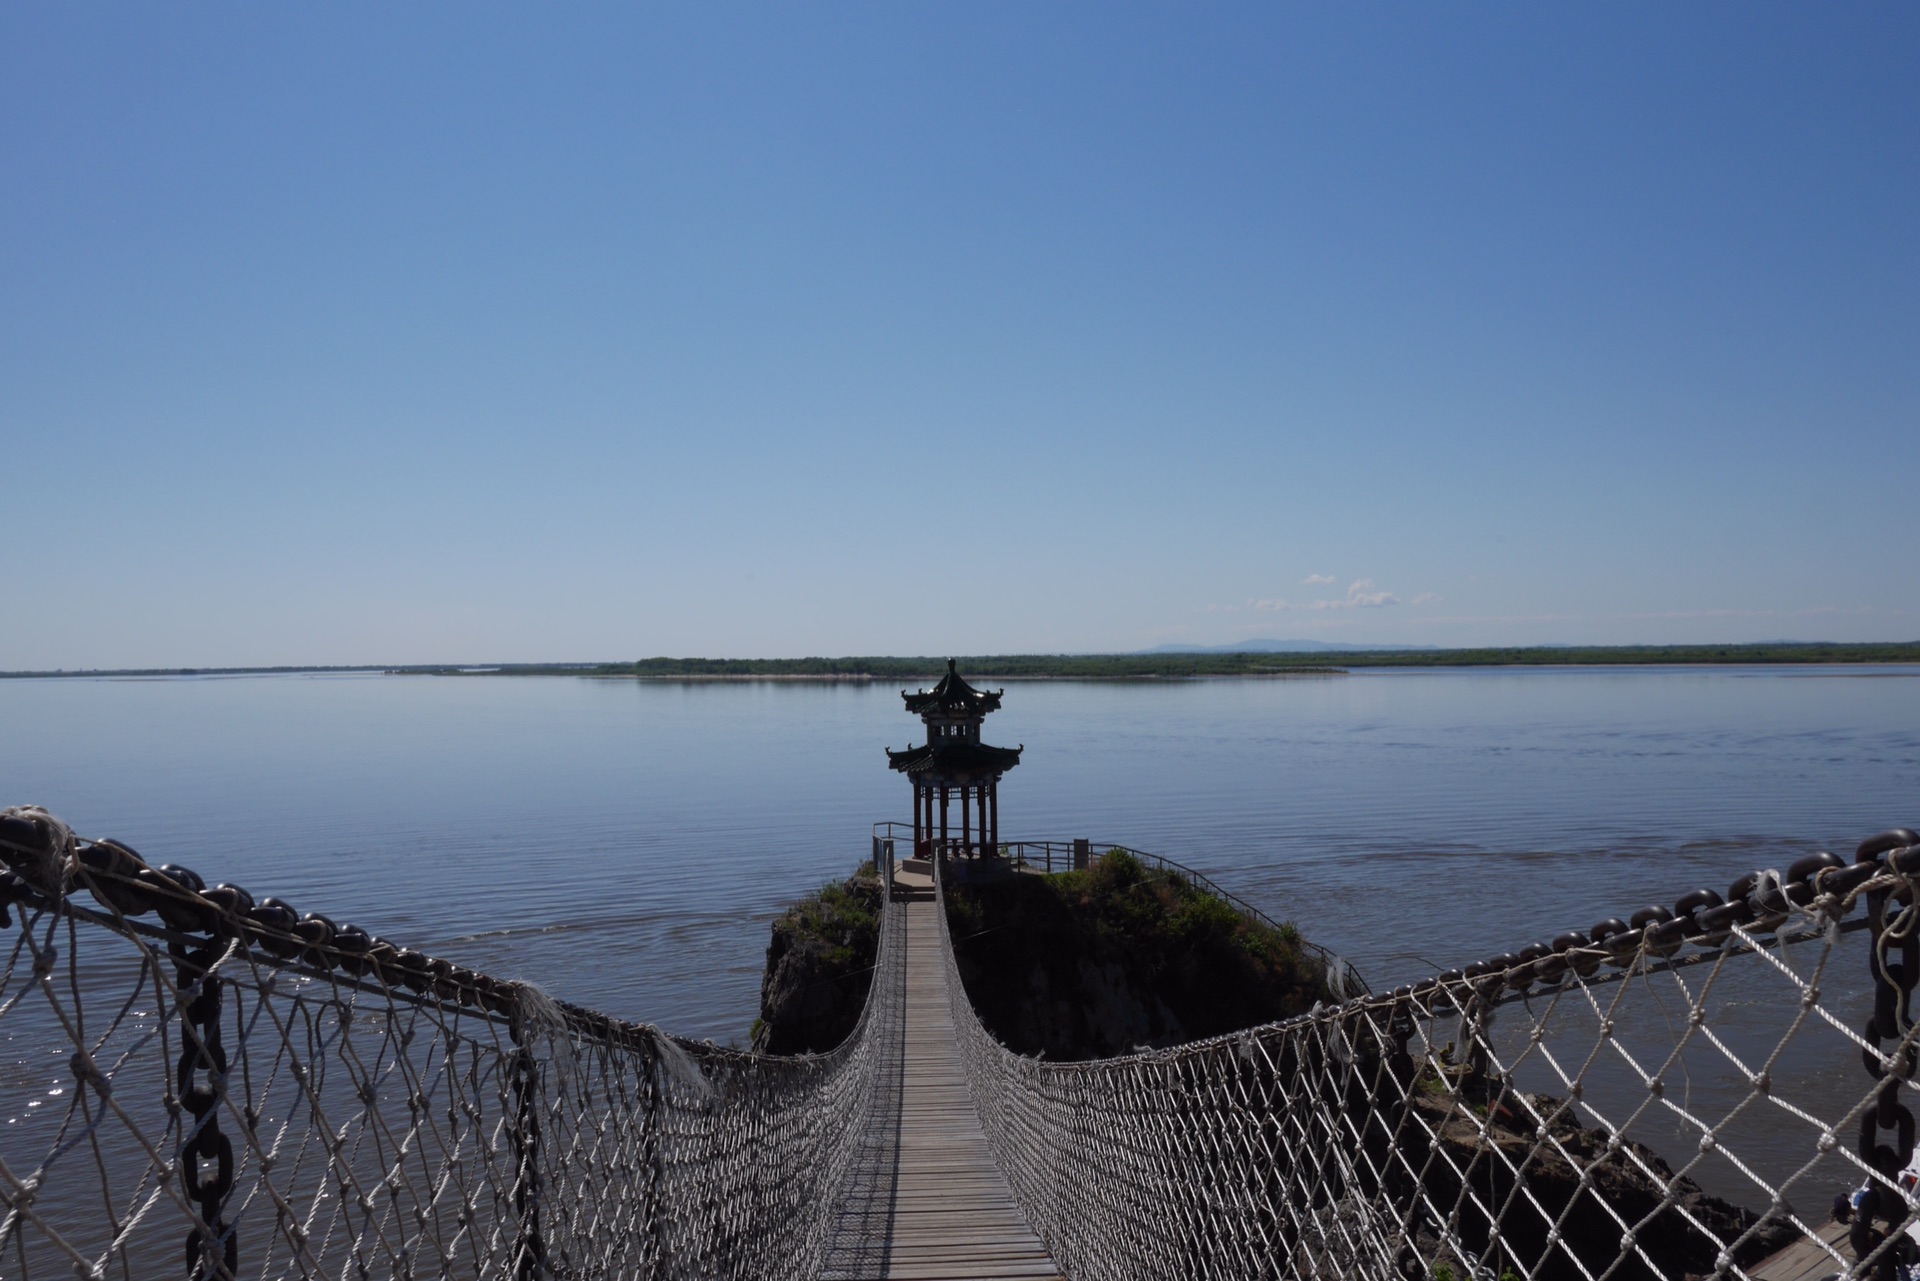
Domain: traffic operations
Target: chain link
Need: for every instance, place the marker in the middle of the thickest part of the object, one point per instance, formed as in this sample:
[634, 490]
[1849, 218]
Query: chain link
[356, 1110]
[200, 1084]
[1886, 1136]
[530, 1248]
[362, 1110]
[1415, 1134]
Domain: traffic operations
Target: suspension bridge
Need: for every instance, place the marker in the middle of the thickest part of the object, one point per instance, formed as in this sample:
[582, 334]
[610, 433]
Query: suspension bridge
[244, 1090]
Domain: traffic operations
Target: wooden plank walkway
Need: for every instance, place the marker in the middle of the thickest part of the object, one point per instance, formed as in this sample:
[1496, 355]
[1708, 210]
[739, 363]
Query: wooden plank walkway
[948, 1213]
[930, 1204]
[1804, 1260]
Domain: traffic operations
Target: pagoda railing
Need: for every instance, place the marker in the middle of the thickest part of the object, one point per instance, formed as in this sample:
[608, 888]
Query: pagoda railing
[1052, 857]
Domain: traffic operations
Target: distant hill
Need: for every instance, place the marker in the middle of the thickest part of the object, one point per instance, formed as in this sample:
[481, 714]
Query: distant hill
[1285, 647]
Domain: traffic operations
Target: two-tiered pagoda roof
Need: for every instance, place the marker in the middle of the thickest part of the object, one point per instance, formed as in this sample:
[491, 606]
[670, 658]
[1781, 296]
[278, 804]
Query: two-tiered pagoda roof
[953, 754]
[952, 697]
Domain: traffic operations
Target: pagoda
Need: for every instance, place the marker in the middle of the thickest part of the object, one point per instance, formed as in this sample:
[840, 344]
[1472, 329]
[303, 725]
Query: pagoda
[953, 762]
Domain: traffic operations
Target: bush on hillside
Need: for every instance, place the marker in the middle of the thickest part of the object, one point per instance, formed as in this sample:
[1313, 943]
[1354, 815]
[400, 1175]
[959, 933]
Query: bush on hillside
[1121, 957]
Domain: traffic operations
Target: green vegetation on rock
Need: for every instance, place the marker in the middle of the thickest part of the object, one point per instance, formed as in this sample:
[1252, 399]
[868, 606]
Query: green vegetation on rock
[1119, 957]
[819, 967]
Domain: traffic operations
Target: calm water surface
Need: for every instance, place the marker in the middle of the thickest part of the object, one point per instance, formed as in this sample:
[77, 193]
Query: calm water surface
[625, 844]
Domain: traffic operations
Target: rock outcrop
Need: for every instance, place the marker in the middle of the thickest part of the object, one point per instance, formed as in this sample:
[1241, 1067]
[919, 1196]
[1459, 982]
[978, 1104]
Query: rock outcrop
[1092, 964]
[819, 966]
[1588, 1232]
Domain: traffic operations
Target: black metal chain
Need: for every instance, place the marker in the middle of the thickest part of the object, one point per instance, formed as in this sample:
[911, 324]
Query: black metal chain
[530, 1249]
[1887, 1128]
[213, 1246]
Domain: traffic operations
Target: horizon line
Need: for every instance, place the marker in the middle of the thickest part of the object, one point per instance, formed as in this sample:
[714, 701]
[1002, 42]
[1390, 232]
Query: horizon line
[1430, 655]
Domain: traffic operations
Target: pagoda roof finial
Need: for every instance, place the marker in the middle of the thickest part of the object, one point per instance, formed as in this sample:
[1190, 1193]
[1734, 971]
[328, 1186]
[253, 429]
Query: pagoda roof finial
[953, 695]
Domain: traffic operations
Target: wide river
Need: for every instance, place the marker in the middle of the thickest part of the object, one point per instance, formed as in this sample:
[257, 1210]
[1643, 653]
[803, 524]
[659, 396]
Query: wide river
[625, 843]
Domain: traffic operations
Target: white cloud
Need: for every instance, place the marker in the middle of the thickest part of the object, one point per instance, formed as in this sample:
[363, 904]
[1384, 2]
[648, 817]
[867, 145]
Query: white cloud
[1361, 594]
[1319, 580]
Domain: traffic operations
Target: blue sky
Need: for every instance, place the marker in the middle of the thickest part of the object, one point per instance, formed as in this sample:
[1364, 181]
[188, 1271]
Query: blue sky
[417, 333]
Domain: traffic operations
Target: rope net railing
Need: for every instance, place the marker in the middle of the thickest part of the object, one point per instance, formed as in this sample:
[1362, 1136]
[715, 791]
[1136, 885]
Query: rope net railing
[1719, 1088]
[200, 1084]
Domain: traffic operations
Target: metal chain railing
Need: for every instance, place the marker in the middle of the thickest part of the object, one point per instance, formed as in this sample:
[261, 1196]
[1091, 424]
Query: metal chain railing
[201, 1084]
[1665, 1096]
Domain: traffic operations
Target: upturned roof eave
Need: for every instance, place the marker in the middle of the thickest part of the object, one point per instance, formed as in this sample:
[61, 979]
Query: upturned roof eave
[952, 692]
[955, 758]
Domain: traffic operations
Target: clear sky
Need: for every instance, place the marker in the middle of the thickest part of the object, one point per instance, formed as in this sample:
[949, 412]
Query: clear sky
[401, 333]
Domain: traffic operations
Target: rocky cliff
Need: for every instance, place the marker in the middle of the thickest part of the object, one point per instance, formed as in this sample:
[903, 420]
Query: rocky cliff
[819, 966]
[1091, 964]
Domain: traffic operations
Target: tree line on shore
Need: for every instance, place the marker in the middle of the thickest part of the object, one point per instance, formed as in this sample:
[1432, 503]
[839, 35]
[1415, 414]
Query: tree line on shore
[1139, 666]
[1114, 666]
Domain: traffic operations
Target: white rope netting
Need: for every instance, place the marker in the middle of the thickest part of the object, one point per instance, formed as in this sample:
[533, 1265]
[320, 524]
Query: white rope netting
[355, 1110]
[1683, 1096]
[198, 1084]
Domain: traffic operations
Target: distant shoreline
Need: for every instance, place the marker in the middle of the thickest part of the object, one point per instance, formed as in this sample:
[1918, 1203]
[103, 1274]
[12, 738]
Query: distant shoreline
[1087, 667]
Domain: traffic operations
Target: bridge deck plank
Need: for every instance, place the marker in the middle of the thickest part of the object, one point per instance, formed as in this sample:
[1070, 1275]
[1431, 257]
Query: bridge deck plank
[1805, 1260]
[949, 1214]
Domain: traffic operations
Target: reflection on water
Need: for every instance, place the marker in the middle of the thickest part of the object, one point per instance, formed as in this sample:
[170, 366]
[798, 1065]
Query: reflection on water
[625, 844]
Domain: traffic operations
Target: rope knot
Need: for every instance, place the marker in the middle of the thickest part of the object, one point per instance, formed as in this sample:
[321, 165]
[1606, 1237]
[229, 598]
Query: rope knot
[37, 845]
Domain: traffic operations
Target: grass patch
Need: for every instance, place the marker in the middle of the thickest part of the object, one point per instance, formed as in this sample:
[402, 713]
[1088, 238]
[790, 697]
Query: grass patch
[819, 966]
[1121, 955]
